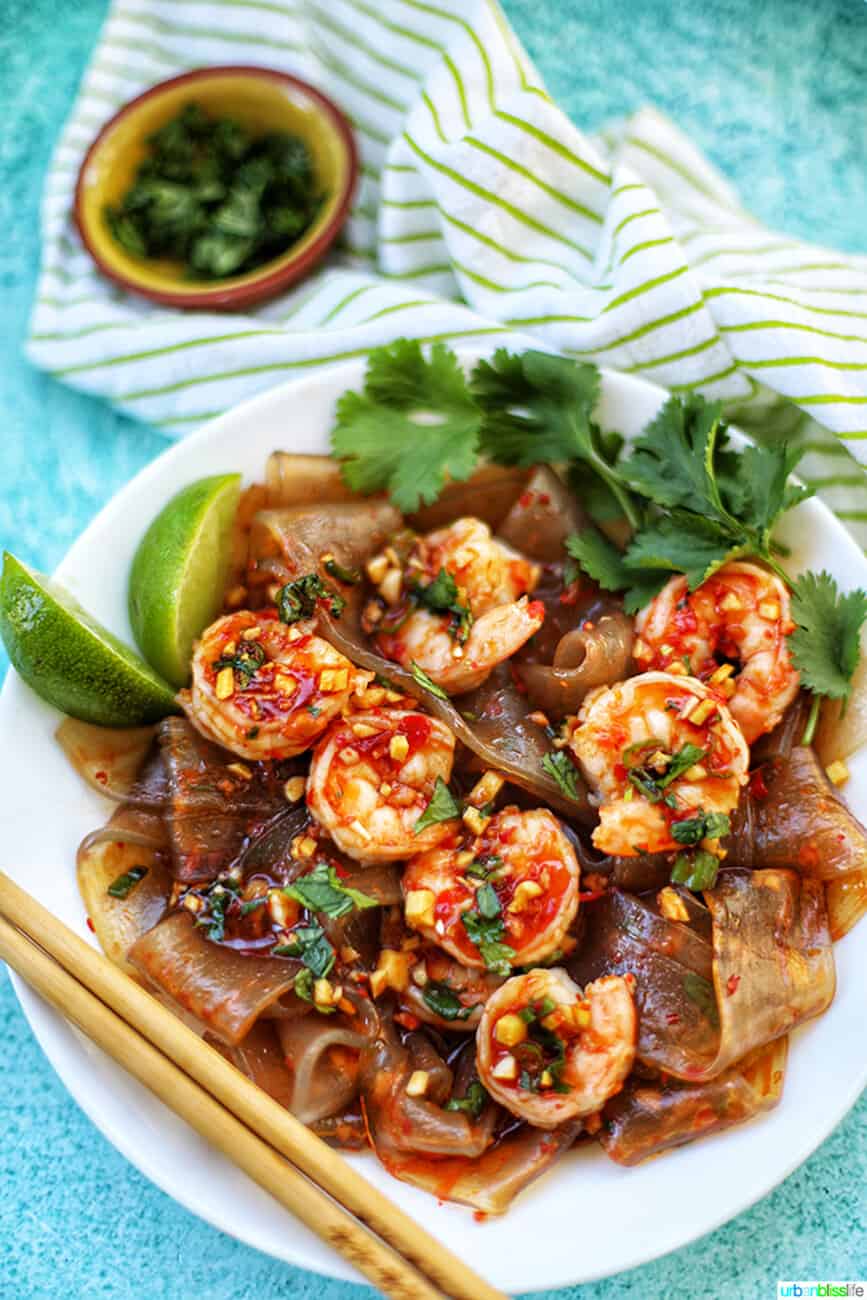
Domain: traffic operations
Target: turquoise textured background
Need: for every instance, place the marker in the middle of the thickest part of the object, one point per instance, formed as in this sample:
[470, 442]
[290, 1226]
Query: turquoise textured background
[775, 92]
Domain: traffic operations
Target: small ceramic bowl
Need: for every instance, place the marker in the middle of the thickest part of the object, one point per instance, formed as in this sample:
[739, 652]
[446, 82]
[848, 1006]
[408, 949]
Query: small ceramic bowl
[262, 100]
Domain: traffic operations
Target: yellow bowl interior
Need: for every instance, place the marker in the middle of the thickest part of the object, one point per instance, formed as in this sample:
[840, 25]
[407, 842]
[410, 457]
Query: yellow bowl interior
[260, 104]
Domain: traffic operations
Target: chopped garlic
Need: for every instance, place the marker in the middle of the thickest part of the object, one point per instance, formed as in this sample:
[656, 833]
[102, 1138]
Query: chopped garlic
[224, 687]
[294, 788]
[510, 1030]
[417, 1084]
[526, 891]
[506, 1068]
[486, 788]
[398, 748]
[419, 907]
[837, 772]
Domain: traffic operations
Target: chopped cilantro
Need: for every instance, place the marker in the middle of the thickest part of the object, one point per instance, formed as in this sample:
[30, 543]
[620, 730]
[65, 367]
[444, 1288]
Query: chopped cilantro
[443, 1002]
[652, 784]
[246, 661]
[704, 826]
[696, 871]
[123, 886]
[473, 1100]
[322, 890]
[336, 570]
[485, 927]
[441, 596]
[559, 765]
[421, 678]
[308, 942]
[442, 806]
[298, 599]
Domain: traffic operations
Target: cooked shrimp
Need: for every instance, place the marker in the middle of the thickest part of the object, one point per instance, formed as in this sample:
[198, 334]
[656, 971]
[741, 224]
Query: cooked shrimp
[548, 1053]
[520, 873]
[458, 650]
[657, 749]
[740, 614]
[371, 778]
[265, 690]
[445, 993]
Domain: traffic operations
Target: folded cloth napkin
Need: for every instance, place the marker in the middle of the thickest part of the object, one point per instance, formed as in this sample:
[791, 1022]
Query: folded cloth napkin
[482, 211]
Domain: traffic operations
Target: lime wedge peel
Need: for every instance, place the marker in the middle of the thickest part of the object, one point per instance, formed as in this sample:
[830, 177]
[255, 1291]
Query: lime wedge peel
[70, 659]
[179, 573]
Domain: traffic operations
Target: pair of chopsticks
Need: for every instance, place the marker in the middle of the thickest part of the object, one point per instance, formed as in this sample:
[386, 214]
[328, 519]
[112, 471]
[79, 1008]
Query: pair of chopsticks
[309, 1178]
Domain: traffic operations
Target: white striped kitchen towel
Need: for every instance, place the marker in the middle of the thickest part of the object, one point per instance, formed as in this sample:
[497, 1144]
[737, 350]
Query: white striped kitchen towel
[482, 211]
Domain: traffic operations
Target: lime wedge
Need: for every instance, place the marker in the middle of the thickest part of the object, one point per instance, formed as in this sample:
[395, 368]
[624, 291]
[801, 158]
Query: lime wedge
[71, 660]
[179, 573]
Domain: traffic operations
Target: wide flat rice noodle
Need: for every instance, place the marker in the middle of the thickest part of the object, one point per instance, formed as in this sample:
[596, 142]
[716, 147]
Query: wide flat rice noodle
[542, 516]
[109, 759]
[131, 839]
[586, 657]
[803, 823]
[488, 494]
[296, 479]
[261, 1058]
[210, 809]
[647, 1118]
[771, 968]
[490, 1182]
[224, 989]
[322, 1056]
[403, 1125]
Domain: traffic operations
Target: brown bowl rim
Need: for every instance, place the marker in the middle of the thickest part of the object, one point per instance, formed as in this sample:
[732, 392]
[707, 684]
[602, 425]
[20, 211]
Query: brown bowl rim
[269, 283]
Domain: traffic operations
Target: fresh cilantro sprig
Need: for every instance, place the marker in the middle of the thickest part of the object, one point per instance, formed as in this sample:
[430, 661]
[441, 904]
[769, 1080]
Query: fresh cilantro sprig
[473, 1101]
[559, 765]
[414, 425]
[538, 410]
[825, 644]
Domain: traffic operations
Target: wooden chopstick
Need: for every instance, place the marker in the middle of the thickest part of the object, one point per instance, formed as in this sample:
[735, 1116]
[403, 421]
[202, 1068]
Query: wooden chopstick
[391, 1274]
[243, 1121]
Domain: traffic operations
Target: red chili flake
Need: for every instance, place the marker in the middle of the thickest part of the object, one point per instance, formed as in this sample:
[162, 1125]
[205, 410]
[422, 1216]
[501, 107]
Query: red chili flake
[407, 1019]
[516, 679]
[91, 926]
[588, 625]
[525, 500]
[758, 788]
[570, 595]
[732, 984]
[102, 777]
[480, 1216]
[591, 895]
[672, 1019]
[544, 499]
[536, 609]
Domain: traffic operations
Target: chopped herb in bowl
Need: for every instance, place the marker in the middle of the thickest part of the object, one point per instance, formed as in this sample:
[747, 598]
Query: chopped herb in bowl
[215, 197]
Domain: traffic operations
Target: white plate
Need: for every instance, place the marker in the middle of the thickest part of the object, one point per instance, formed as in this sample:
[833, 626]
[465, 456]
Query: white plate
[586, 1219]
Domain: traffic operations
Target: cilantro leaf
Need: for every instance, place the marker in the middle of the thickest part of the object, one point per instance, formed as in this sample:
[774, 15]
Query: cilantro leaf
[123, 886]
[441, 596]
[298, 599]
[443, 1002]
[415, 424]
[309, 943]
[441, 807]
[246, 661]
[825, 644]
[764, 492]
[473, 1101]
[693, 830]
[538, 409]
[485, 928]
[322, 890]
[682, 543]
[599, 559]
[559, 765]
[672, 460]
[700, 991]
